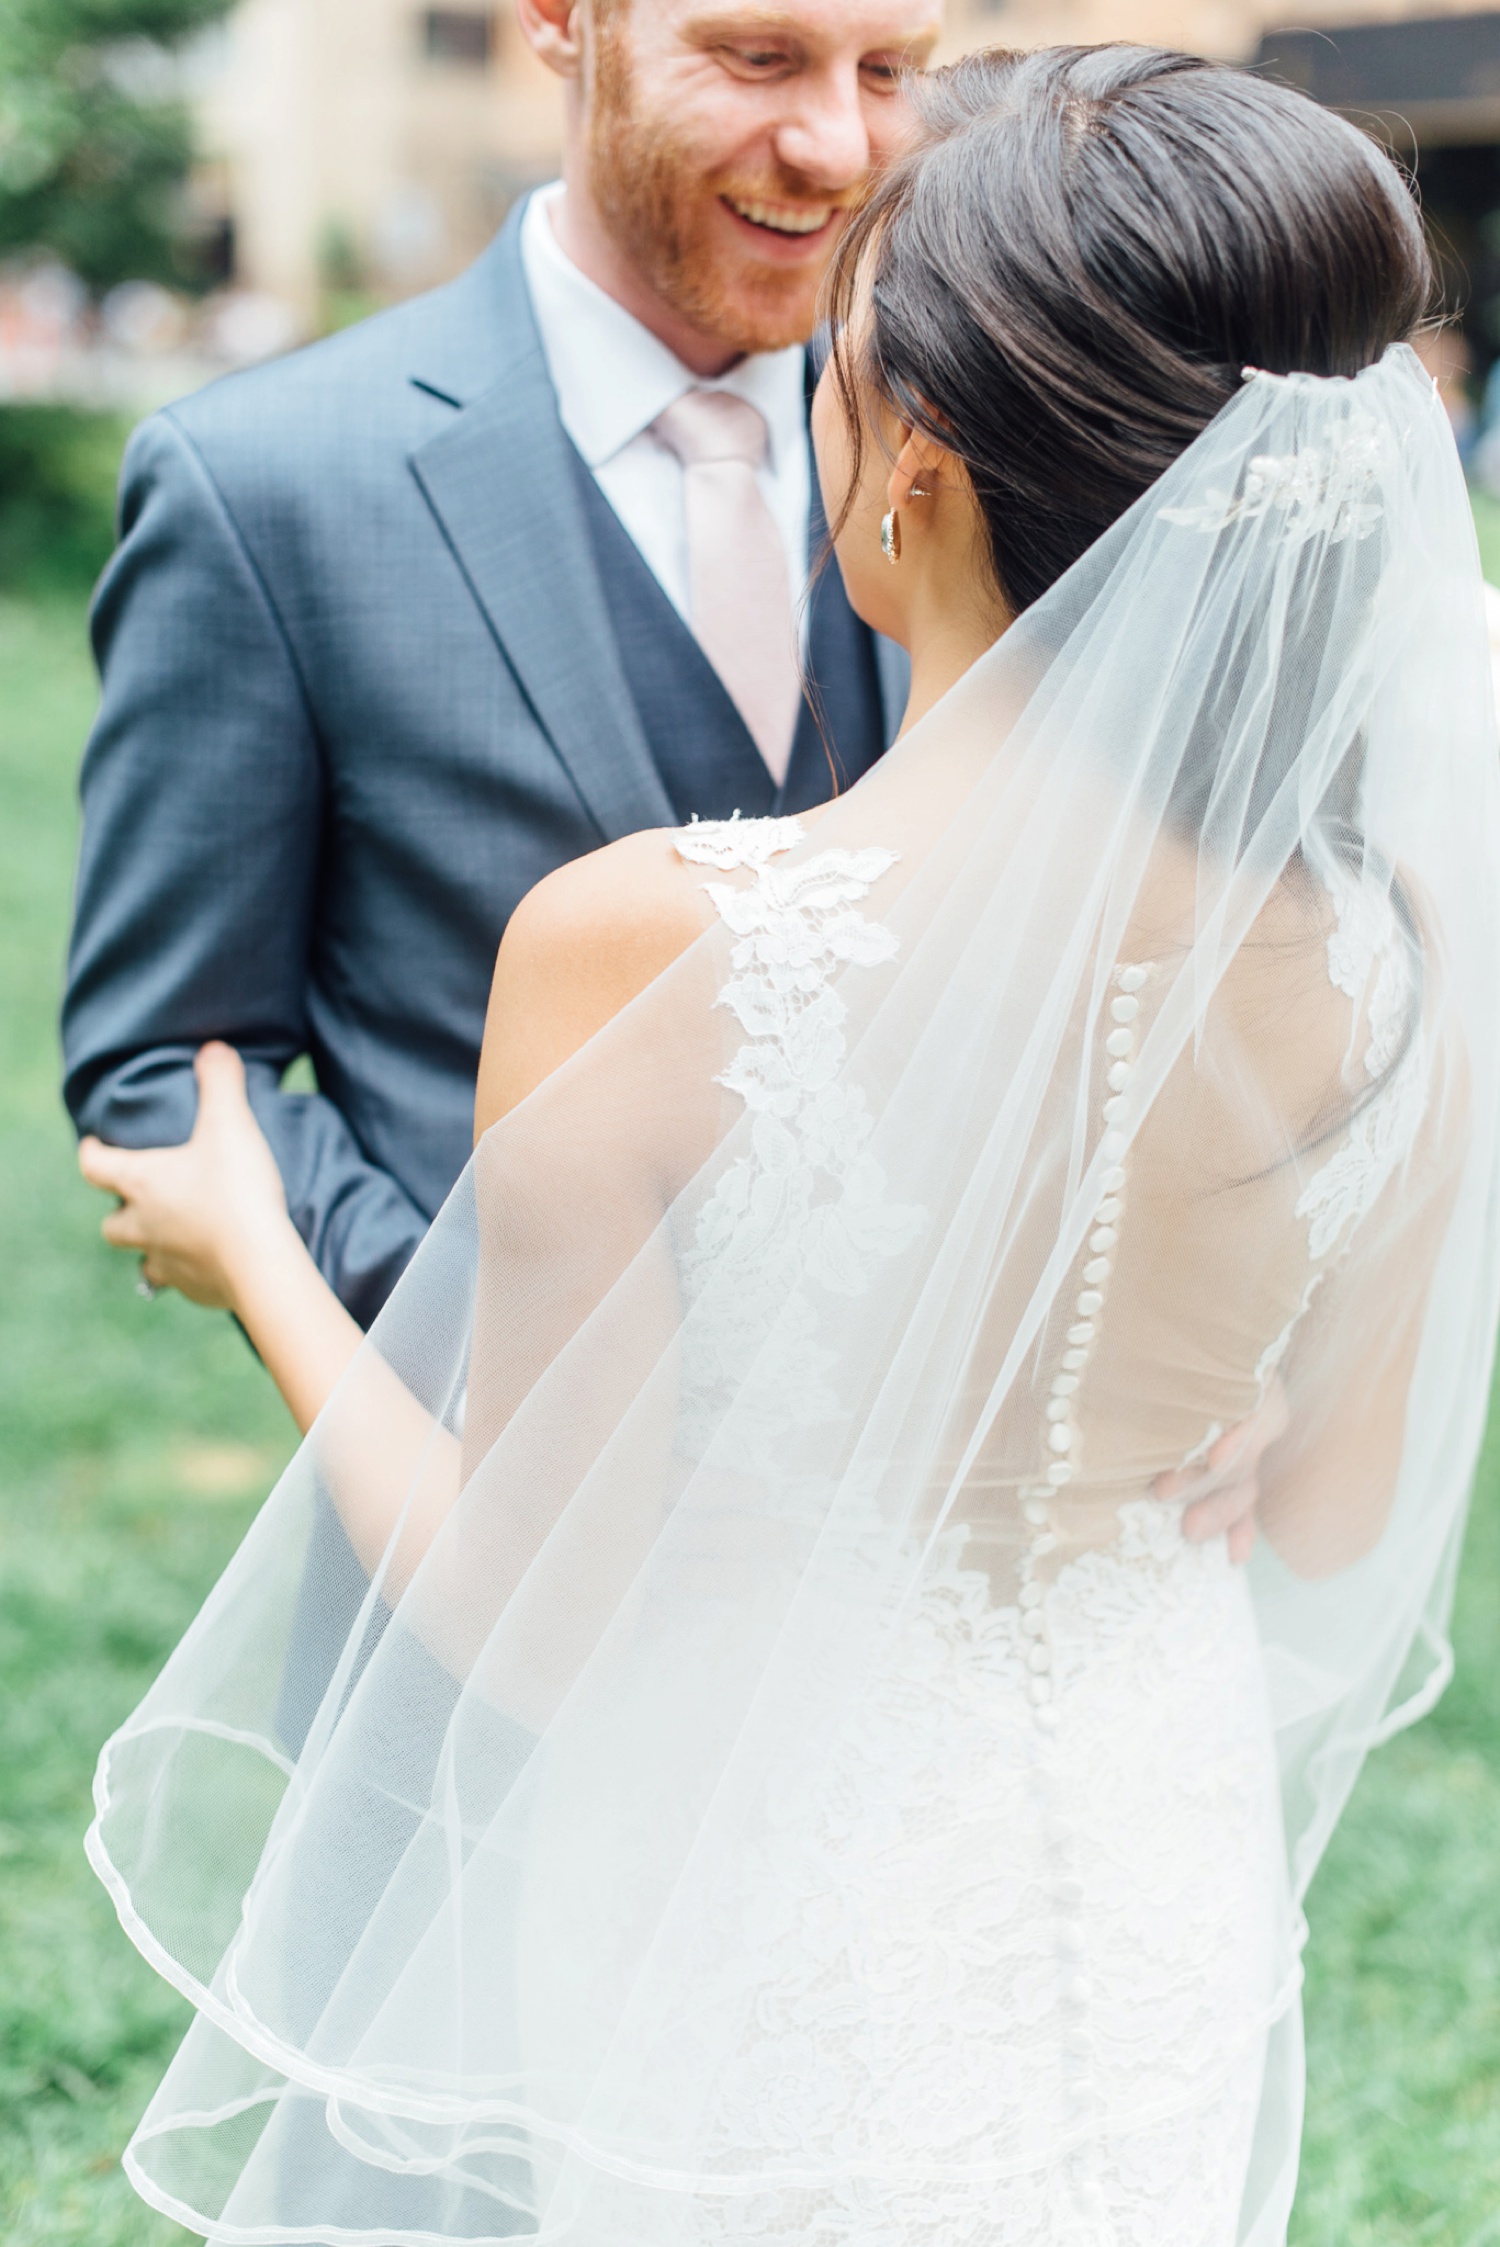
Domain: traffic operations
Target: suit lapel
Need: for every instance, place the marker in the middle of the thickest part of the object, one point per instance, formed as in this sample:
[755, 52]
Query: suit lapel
[500, 480]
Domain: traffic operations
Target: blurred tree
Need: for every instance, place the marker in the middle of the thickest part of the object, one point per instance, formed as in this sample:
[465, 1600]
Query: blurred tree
[95, 140]
[57, 496]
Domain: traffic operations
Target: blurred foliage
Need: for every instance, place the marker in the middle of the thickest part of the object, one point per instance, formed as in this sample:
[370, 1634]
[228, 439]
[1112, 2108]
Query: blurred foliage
[94, 142]
[345, 294]
[1487, 524]
[58, 469]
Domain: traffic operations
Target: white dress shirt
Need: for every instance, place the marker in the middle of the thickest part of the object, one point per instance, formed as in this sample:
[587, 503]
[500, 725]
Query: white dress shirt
[613, 378]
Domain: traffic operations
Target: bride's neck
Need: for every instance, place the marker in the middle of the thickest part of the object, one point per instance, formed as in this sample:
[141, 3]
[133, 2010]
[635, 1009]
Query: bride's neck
[942, 646]
[950, 623]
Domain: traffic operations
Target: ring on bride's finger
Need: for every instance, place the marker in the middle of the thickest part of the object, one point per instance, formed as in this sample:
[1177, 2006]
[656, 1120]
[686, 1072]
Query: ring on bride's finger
[146, 1287]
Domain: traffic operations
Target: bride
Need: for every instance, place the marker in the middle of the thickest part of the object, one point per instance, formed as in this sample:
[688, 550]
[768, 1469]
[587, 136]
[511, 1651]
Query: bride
[764, 1767]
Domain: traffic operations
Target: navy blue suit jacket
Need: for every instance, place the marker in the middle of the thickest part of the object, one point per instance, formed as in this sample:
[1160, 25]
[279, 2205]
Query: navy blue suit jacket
[363, 687]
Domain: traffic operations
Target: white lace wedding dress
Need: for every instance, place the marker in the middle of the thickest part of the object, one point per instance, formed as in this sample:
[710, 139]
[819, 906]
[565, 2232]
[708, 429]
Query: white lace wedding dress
[1011, 1976]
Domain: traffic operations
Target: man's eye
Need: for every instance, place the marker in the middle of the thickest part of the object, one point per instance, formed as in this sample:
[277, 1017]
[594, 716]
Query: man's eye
[760, 61]
[882, 71]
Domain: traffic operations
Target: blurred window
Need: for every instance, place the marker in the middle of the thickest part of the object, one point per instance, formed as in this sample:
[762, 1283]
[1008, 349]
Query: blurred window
[1444, 59]
[461, 35]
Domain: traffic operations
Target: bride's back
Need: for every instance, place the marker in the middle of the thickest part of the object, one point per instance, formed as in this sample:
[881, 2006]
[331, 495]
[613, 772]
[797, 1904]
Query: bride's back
[1084, 261]
[1290, 1121]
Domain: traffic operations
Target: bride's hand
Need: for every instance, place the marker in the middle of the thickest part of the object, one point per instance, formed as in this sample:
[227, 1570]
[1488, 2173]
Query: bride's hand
[1220, 1497]
[201, 1216]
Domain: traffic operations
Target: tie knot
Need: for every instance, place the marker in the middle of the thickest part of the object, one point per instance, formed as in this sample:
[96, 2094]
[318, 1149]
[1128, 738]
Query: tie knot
[709, 425]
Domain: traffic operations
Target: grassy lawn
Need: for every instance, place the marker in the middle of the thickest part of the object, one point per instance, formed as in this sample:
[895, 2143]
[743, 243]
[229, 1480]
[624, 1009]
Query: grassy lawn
[136, 1440]
[1487, 524]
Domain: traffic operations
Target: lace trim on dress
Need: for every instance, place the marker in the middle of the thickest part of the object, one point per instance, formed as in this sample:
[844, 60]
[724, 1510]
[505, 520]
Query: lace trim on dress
[1347, 1187]
[956, 1981]
[954, 1946]
[728, 843]
[1367, 942]
[807, 1204]
[1366, 961]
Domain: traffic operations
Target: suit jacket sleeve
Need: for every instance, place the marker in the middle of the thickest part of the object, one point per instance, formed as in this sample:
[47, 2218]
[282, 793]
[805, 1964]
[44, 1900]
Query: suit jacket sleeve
[203, 805]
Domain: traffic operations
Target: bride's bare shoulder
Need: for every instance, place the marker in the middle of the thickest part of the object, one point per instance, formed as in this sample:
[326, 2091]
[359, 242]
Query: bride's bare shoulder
[579, 947]
[613, 919]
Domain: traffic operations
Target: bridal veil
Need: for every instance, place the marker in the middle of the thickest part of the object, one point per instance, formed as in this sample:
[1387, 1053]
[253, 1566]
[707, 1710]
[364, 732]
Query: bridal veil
[1136, 1017]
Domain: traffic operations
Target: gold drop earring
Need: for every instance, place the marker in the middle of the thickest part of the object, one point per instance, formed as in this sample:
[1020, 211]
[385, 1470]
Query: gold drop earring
[890, 528]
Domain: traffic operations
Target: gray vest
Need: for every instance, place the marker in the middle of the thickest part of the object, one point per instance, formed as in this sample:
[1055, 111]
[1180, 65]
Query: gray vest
[701, 745]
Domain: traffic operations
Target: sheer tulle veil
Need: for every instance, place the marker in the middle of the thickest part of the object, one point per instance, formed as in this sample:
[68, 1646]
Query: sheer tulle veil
[451, 1814]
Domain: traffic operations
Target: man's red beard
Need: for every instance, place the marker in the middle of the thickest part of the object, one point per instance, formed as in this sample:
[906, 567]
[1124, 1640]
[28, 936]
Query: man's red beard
[660, 211]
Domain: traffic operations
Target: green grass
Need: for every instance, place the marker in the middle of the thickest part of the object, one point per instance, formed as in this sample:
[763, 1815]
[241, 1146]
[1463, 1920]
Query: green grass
[135, 1441]
[1487, 524]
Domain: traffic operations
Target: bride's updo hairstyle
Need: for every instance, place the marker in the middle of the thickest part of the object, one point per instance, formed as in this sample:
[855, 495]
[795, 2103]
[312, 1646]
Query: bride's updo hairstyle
[1064, 278]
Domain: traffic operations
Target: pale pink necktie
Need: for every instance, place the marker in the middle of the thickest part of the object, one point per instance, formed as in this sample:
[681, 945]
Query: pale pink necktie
[741, 600]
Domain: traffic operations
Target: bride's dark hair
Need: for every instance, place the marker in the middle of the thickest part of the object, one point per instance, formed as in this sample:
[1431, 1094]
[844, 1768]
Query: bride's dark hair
[1080, 254]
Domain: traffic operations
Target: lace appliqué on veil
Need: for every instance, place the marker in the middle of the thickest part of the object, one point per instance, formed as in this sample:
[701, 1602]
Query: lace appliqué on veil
[807, 1204]
[1318, 492]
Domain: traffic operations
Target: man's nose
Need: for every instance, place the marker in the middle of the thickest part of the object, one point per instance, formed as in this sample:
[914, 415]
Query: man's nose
[825, 136]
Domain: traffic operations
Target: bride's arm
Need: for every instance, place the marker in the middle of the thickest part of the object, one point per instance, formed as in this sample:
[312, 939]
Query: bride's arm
[210, 1217]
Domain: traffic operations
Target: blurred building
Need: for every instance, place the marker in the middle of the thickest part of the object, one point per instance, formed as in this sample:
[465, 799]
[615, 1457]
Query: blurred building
[1424, 51]
[364, 149]
[1424, 77]
[365, 146]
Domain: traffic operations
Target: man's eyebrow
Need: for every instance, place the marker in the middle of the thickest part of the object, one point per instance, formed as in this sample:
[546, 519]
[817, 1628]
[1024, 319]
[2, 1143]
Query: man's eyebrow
[791, 23]
[726, 26]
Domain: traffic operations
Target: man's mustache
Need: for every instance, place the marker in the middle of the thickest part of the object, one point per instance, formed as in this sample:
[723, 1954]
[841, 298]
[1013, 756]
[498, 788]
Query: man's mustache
[794, 193]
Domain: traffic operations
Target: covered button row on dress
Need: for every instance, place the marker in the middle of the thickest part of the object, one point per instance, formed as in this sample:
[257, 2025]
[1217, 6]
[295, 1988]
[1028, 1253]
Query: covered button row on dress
[1075, 1985]
[1075, 1994]
[1062, 1428]
[1041, 1542]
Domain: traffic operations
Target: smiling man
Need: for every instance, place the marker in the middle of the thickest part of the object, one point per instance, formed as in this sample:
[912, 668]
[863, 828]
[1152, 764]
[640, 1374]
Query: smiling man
[401, 623]
[714, 150]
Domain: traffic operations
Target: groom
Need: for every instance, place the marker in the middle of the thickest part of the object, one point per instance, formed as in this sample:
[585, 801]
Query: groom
[398, 625]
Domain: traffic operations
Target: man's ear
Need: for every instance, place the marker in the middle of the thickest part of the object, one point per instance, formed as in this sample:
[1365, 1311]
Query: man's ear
[553, 29]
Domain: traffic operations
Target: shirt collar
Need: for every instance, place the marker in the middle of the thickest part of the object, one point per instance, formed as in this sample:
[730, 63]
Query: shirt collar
[585, 332]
